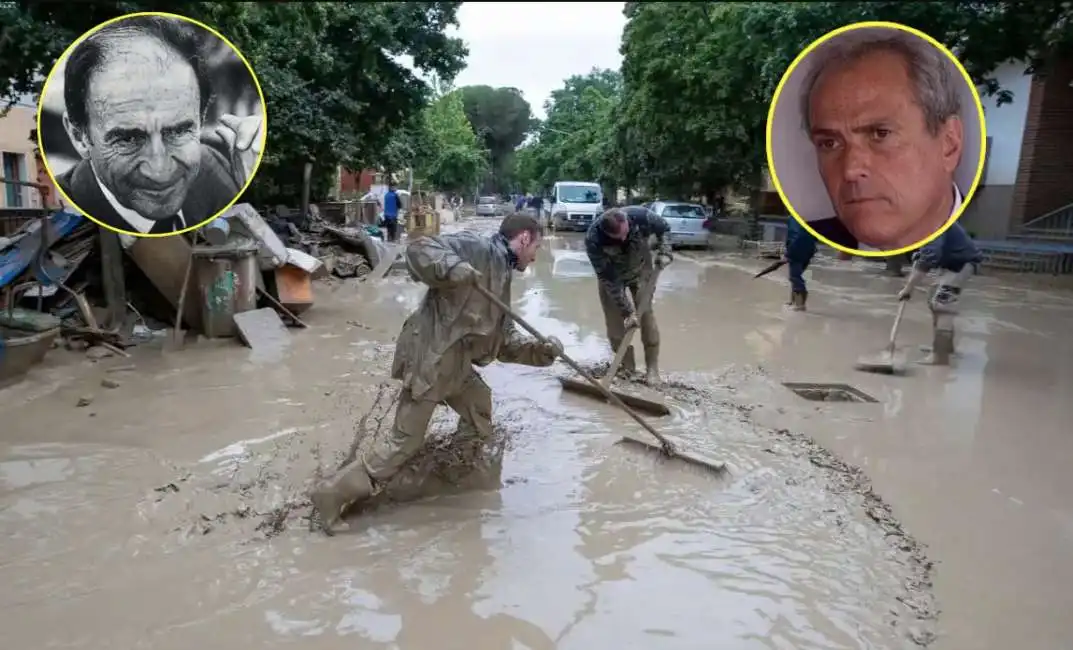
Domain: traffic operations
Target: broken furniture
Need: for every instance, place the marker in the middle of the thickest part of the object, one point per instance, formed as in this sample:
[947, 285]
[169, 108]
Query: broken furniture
[25, 337]
[226, 281]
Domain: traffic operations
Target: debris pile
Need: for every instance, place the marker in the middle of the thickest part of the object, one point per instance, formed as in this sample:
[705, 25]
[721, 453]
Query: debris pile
[63, 278]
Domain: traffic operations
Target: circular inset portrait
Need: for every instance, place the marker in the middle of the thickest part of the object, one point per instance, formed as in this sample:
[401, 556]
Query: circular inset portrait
[151, 124]
[875, 139]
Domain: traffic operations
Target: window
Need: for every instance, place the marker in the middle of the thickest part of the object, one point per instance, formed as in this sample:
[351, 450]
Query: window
[683, 211]
[14, 165]
[579, 194]
[987, 159]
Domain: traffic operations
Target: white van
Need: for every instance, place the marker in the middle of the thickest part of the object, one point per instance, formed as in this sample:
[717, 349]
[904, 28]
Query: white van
[575, 204]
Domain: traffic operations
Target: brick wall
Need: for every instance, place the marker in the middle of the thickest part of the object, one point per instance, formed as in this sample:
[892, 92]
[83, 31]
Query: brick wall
[1045, 173]
[351, 182]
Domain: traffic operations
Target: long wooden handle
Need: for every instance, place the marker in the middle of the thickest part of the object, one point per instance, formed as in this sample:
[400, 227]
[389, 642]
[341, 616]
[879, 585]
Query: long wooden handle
[897, 324]
[611, 397]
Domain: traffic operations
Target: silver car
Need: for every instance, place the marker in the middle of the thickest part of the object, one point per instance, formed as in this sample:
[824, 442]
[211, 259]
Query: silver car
[686, 221]
[487, 206]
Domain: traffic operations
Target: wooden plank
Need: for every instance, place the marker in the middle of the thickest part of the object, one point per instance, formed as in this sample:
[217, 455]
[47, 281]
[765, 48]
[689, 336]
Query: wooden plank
[391, 253]
[164, 261]
[115, 288]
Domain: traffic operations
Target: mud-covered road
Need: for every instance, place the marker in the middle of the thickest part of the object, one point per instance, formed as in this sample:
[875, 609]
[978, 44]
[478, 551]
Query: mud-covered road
[167, 513]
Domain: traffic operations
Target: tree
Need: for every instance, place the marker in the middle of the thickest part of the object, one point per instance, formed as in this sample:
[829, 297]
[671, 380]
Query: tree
[576, 140]
[694, 105]
[335, 90]
[501, 118]
[456, 160]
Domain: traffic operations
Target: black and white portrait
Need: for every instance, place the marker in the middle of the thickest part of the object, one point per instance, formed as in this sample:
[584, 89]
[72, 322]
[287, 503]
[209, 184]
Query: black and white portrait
[151, 125]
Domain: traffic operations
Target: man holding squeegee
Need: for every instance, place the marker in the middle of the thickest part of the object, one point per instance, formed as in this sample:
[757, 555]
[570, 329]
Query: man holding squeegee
[618, 247]
[455, 329]
[955, 254]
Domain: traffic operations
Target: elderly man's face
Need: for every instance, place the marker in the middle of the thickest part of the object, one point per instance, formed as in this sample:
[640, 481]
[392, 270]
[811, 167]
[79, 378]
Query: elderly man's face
[144, 128]
[889, 178]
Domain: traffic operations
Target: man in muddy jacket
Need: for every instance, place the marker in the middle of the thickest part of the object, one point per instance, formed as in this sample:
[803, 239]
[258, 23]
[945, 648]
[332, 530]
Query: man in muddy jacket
[955, 254]
[618, 247]
[454, 329]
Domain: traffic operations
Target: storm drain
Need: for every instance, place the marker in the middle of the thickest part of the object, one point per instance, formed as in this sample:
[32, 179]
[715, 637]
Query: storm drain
[830, 393]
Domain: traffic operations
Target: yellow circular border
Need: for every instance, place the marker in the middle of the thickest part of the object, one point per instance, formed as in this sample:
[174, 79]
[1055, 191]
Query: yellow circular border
[217, 34]
[771, 120]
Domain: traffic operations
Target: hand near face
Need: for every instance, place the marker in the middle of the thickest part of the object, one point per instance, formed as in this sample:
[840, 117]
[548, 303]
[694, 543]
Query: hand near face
[244, 139]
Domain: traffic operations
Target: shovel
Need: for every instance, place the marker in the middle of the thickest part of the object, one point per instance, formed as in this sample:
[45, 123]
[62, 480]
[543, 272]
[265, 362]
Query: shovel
[885, 362]
[771, 268]
[665, 446]
[644, 303]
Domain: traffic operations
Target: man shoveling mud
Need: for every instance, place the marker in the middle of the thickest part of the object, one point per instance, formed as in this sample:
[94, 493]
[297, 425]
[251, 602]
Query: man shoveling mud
[956, 255]
[618, 247]
[454, 329]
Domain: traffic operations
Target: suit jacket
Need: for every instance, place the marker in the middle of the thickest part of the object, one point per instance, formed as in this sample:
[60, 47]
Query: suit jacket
[834, 230]
[214, 187]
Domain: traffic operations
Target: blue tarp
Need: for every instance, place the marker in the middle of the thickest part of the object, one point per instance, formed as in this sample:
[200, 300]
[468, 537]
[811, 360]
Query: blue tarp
[19, 257]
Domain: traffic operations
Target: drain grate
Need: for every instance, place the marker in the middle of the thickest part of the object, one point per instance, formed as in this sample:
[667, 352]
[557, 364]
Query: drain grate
[830, 392]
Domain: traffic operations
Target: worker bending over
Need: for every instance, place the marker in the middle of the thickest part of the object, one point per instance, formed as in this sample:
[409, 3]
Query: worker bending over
[800, 249]
[618, 247]
[956, 255]
[454, 329]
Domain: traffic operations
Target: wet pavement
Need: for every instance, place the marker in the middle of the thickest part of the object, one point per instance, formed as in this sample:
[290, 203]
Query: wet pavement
[151, 517]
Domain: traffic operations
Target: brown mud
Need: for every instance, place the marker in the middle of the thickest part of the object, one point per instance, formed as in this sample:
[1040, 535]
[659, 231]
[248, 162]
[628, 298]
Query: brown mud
[192, 474]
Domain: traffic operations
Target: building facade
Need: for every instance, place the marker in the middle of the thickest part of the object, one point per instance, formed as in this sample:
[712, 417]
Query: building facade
[20, 161]
[1030, 157]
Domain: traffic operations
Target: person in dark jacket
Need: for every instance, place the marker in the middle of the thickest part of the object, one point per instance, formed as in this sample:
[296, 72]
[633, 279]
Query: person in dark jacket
[800, 249]
[618, 247]
[956, 255]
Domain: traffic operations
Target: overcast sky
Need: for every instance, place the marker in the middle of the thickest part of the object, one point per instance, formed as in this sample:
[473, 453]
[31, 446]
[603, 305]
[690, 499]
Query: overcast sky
[534, 46]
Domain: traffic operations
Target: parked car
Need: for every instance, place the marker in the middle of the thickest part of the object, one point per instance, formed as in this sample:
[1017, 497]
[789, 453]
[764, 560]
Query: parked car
[687, 222]
[487, 206]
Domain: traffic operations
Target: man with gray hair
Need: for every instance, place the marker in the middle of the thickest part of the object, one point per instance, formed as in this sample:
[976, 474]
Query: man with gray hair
[137, 93]
[884, 117]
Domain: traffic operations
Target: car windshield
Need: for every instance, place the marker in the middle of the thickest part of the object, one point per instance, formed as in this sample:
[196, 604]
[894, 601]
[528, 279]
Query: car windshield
[579, 194]
[486, 200]
[683, 211]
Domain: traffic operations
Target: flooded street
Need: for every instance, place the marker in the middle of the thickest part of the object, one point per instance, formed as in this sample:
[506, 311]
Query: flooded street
[151, 517]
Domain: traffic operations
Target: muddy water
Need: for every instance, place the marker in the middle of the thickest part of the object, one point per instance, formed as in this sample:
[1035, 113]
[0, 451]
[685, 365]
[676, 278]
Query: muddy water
[156, 516]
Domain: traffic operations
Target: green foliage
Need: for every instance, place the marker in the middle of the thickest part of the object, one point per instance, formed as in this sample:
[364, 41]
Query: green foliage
[456, 160]
[697, 77]
[501, 118]
[576, 140]
[329, 71]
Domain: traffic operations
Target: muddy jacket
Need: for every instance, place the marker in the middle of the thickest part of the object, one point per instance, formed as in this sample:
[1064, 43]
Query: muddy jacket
[622, 263]
[456, 326]
[950, 251]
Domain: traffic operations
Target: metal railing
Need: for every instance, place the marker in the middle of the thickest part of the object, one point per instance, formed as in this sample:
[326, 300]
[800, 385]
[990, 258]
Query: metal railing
[1056, 224]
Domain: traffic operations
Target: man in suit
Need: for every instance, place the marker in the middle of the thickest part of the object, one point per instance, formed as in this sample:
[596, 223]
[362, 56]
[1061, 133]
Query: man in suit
[884, 118]
[136, 94]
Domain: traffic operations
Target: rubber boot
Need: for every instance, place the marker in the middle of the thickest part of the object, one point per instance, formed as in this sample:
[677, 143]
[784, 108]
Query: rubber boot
[349, 485]
[652, 377]
[793, 299]
[797, 300]
[942, 348]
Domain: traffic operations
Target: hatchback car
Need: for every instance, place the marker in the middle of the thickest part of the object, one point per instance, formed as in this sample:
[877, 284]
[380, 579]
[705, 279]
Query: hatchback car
[686, 221]
[487, 206]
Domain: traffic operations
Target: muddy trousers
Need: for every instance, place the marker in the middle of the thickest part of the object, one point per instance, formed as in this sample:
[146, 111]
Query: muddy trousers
[944, 302]
[473, 403]
[616, 328]
[358, 481]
